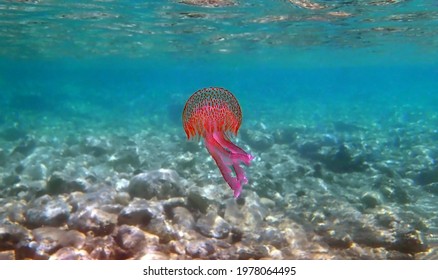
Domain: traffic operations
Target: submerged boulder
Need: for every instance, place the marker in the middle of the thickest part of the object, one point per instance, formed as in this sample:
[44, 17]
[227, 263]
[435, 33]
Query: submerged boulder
[92, 219]
[161, 183]
[47, 211]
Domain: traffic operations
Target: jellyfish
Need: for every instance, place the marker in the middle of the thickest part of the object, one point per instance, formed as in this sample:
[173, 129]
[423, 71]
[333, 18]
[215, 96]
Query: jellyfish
[214, 114]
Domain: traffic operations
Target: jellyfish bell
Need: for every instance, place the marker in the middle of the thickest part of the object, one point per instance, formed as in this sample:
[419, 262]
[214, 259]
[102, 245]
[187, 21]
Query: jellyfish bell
[212, 114]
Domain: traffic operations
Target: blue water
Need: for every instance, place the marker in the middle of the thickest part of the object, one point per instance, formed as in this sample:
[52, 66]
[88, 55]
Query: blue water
[133, 64]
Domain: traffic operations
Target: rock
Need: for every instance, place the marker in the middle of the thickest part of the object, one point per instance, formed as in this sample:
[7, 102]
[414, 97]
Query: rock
[25, 147]
[103, 196]
[47, 211]
[153, 254]
[370, 200]
[13, 211]
[185, 161]
[256, 253]
[36, 171]
[95, 146]
[250, 215]
[276, 255]
[93, 219]
[70, 253]
[162, 183]
[29, 190]
[202, 198]
[139, 212]
[200, 248]
[197, 201]
[173, 202]
[337, 240]
[59, 237]
[163, 229]
[11, 179]
[369, 237]
[257, 140]
[431, 188]
[7, 255]
[233, 214]
[150, 216]
[213, 225]
[310, 150]
[285, 135]
[410, 242]
[236, 235]
[273, 236]
[58, 183]
[268, 187]
[393, 189]
[183, 217]
[122, 186]
[102, 248]
[177, 247]
[47, 240]
[130, 239]
[125, 157]
[13, 236]
[426, 177]
[122, 198]
[343, 161]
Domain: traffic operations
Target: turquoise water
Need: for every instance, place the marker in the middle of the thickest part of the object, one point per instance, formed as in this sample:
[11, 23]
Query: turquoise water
[92, 68]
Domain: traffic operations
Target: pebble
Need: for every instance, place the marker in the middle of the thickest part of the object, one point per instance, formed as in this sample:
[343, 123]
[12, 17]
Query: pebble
[95, 220]
[130, 239]
[162, 184]
[7, 255]
[200, 248]
[47, 240]
[70, 253]
[47, 211]
[58, 183]
[201, 199]
[162, 228]
[258, 140]
[427, 176]
[103, 248]
[153, 254]
[410, 242]
[126, 157]
[285, 135]
[213, 225]
[370, 200]
[25, 147]
[140, 212]
[12, 236]
[95, 146]
[36, 172]
[181, 216]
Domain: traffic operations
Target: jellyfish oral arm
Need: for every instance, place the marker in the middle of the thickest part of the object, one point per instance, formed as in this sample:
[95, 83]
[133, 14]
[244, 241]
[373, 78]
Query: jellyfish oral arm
[236, 153]
[227, 155]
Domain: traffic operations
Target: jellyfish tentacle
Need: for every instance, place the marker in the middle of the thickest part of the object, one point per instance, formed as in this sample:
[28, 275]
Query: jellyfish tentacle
[222, 159]
[236, 152]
